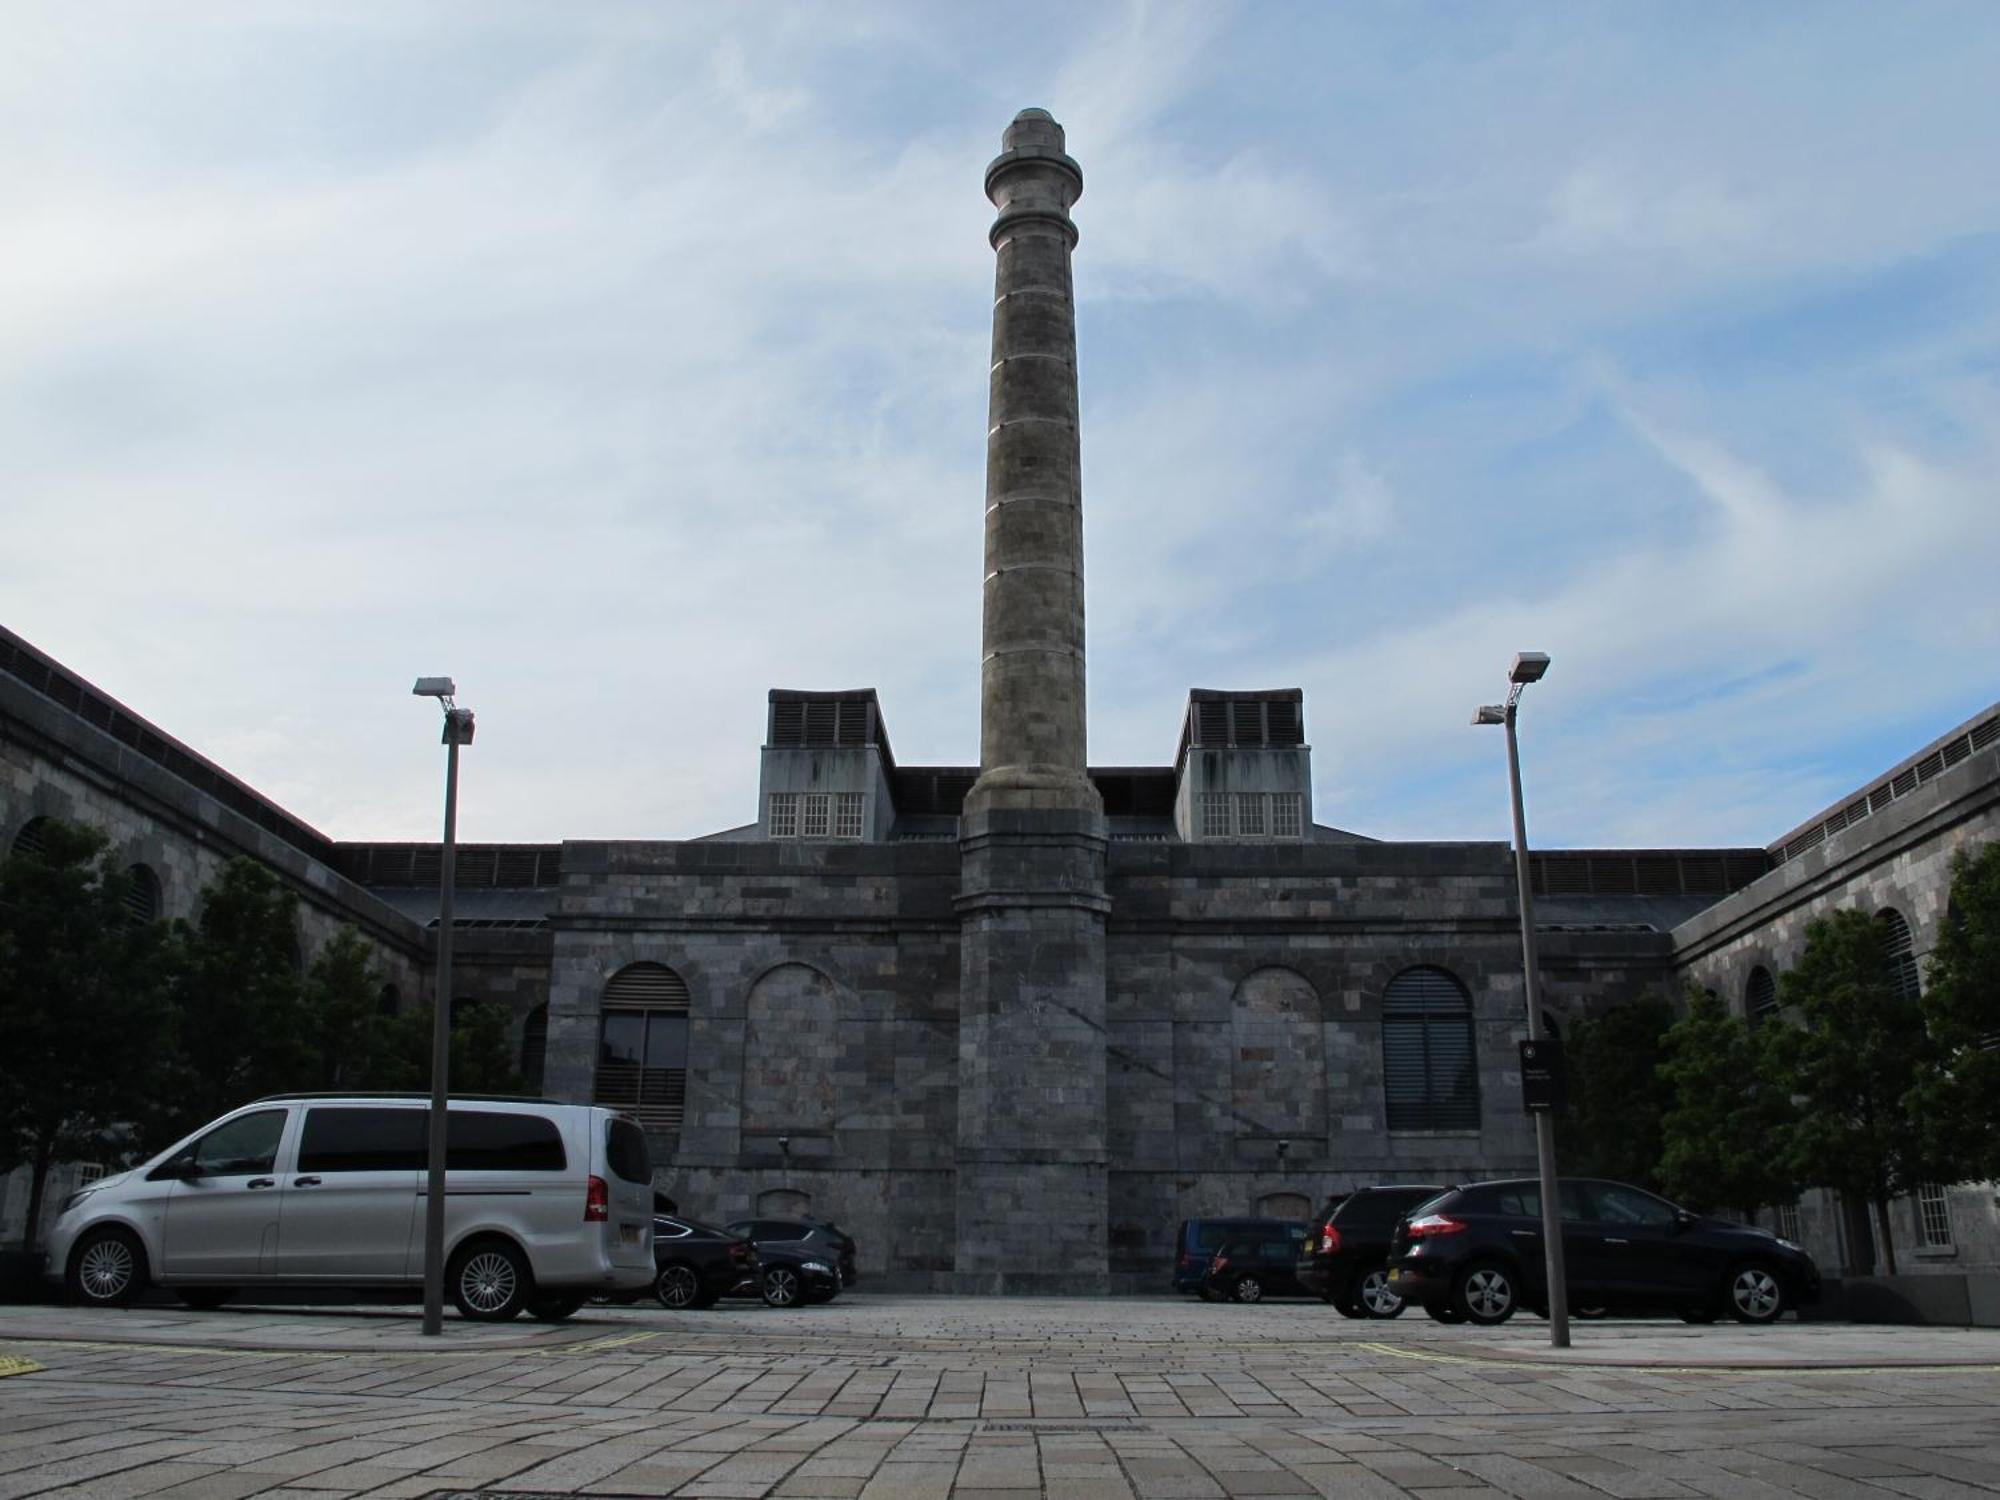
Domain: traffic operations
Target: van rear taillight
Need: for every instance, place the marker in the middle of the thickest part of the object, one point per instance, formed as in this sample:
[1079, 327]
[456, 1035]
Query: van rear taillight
[1435, 1224]
[597, 1202]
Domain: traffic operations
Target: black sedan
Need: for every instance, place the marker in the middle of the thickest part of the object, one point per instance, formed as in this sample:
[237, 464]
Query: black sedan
[813, 1238]
[1476, 1254]
[1249, 1270]
[696, 1264]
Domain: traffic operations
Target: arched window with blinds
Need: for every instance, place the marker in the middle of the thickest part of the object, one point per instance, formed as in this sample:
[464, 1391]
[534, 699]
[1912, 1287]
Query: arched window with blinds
[1430, 1067]
[1899, 953]
[142, 895]
[643, 1045]
[1760, 995]
[33, 837]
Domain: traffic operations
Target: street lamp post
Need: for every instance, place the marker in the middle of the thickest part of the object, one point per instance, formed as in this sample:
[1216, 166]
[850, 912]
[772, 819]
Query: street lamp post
[1528, 667]
[457, 731]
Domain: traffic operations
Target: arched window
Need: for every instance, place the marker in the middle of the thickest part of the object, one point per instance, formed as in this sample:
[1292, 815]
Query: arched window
[33, 837]
[643, 1045]
[1760, 995]
[535, 1047]
[142, 895]
[1898, 953]
[1430, 1070]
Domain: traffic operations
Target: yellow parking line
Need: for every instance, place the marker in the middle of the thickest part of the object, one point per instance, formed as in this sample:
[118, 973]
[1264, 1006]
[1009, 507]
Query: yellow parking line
[1398, 1351]
[16, 1365]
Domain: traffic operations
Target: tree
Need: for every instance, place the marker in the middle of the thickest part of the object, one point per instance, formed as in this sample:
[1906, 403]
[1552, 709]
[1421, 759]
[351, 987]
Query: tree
[1857, 1062]
[355, 1046]
[244, 1028]
[1611, 1127]
[83, 1010]
[1731, 1104]
[1958, 1108]
[482, 1060]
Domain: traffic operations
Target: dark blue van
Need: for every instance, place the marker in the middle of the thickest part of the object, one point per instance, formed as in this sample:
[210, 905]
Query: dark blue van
[1198, 1240]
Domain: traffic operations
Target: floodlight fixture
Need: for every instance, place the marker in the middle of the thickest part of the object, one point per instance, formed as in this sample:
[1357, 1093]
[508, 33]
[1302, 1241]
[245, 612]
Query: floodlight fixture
[1528, 667]
[434, 687]
[1490, 713]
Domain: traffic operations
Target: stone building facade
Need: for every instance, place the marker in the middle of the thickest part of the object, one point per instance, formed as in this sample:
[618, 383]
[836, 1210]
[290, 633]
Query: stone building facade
[1010, 1022]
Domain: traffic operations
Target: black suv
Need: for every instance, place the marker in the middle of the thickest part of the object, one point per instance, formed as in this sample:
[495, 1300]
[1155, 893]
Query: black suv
[698, 1263]
[1251, 1268]
[808, 1239]
[1476, 1253]
[1344, 1258]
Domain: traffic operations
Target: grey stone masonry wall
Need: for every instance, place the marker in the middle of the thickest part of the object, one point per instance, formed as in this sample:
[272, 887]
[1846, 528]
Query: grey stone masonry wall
[1245, 988]
[823, 1008]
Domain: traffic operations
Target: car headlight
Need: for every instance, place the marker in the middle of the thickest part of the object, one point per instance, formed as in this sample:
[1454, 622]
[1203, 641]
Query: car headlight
[816, 1265]
[76, 1197]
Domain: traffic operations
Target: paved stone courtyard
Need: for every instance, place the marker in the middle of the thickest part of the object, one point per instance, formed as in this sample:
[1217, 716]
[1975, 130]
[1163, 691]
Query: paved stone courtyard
[893, 1398]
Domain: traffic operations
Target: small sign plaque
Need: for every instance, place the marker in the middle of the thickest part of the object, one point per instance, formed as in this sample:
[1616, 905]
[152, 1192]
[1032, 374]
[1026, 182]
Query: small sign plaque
[1544, 1084]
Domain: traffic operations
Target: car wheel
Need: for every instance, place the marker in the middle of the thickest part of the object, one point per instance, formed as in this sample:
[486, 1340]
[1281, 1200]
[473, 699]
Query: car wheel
[204, 1298]
[1697, 1315]
[1754, 1294]
[781, 1287]
[555, 1308]
[1247, 1289]
[1485, 1293]
[678, 1287]
[107, 1268]
[1444, 1312]
[490, 1281]
[1373, 1296]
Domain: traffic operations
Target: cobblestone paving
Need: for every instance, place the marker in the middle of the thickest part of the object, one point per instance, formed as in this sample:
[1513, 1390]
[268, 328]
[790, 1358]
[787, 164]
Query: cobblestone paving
[900, 1399]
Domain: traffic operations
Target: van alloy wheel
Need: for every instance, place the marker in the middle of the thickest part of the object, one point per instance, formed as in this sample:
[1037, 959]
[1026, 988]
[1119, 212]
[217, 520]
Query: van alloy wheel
[107, 1270]
[489, 1281]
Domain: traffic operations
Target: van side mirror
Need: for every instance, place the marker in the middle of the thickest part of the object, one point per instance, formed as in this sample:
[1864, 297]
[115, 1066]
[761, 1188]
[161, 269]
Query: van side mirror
[176, 1169]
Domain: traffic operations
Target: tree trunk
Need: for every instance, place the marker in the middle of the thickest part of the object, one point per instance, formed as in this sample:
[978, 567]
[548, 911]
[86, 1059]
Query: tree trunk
[1888, 1242]
[38, 1181]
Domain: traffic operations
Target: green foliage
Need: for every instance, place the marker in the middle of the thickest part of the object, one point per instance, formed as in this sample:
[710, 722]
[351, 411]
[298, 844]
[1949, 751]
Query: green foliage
[354, 1045]
[1958, 1106]
[245, 1029]
[1730, 1107]
[1612, 1127]
[482, 1060]
[1857, 1063]
[84, 1015]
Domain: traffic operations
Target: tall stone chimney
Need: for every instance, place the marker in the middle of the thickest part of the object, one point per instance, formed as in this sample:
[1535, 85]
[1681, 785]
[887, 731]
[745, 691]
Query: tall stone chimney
[1031, 1126]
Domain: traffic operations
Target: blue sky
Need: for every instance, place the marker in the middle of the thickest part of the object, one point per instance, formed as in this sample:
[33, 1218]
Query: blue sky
[624, 361]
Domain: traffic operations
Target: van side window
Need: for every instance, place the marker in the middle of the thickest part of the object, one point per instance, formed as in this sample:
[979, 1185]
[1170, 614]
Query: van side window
[341, 1139]
[486, 1141]
[246, 1144]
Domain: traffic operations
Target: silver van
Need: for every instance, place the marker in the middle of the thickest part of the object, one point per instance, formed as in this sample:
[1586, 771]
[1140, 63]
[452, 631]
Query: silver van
[546, 1205]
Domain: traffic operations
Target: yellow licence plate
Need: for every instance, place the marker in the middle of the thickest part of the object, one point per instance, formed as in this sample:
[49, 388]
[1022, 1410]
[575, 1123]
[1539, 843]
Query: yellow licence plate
[1395, 1275]
[628, 1234]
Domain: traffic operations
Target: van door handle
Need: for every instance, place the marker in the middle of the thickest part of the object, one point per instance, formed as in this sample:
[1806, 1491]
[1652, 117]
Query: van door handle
[1526, 1234]
[1610, 1240]
[260, 1182]
[305, 1182]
